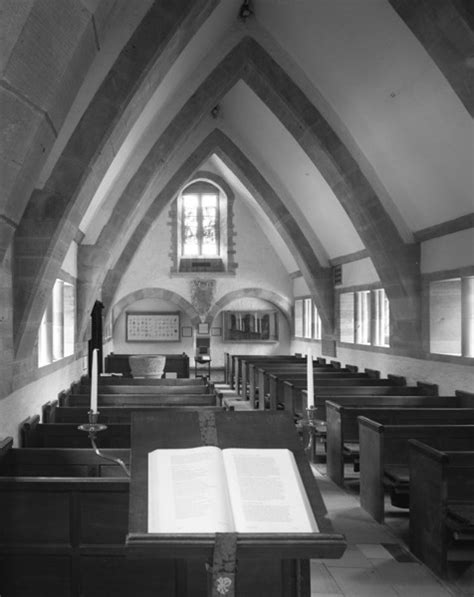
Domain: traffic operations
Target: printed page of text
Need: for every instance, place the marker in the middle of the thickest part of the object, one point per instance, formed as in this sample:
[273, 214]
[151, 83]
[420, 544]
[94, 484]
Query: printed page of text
[266, 492]
[187, 491]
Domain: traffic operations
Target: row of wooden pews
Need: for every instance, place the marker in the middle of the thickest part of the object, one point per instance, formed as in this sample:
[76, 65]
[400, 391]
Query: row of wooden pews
[117, 401]
[408, 442]
[64, 510]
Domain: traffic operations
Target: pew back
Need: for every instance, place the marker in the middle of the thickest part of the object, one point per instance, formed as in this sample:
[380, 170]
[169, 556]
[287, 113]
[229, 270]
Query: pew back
[66, 536]
[440, 481]
[382, 446]
[342, 424]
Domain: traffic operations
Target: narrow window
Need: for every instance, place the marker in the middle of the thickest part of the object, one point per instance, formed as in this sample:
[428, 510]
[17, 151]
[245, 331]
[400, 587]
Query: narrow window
[445, 316]
[57, 328]
[299, 318]
[317, 324]
[363, 317]
[346, 316]
[382, 318]
[307, 317]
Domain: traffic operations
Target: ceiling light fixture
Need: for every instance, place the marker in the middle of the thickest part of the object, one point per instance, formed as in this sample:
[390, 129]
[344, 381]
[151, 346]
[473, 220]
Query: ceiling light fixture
[245, 10]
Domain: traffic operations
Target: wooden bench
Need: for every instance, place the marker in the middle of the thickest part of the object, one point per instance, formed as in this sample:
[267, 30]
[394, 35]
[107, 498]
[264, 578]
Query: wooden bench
[265, 379]
[104, 380]
[441, 506]
[384, 456]
[34, 434]
[65, 534]
[272, 380]
[295, 396]
[144, 389]
[342, 428]
[59, 462]
[67, 399]
[52, 413]
[298, 363]
[238, 360]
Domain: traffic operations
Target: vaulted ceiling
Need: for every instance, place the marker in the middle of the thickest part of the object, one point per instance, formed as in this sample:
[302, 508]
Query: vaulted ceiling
[345, 125]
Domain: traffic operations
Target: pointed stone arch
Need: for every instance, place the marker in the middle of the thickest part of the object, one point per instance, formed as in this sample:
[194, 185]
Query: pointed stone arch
[397, 263]
[52, 216]
[318, 278]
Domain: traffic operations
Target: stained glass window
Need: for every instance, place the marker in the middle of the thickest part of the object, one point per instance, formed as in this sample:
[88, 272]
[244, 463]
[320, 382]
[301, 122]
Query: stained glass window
[200, 218]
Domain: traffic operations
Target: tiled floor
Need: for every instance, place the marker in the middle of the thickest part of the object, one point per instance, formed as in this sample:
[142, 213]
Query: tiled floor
[377, 562]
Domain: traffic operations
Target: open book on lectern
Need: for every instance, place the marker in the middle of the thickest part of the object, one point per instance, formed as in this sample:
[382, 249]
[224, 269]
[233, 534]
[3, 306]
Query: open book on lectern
[243, 490]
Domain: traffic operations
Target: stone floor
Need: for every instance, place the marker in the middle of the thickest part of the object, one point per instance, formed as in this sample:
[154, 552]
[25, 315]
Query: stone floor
[377, 562]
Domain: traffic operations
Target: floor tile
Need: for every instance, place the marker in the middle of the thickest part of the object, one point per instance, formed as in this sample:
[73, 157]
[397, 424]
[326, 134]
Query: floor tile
[362, 582]
[352, 558]
[374, 551]
[322, 582]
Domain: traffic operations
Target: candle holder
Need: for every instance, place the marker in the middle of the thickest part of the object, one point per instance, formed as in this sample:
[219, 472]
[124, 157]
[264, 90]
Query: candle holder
[92, 429]
[313, 429]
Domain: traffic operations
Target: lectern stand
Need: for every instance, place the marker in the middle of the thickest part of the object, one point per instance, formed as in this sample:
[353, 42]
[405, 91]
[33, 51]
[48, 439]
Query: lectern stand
[185, 565]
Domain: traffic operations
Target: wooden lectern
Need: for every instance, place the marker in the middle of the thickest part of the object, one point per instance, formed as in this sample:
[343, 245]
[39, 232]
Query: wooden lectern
[198, 565]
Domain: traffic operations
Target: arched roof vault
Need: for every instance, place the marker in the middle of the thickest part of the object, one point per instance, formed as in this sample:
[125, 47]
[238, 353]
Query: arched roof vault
[396, 263]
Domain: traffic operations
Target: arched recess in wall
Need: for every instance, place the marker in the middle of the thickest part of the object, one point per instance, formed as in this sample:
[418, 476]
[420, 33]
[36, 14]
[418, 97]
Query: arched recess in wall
[118, 308]
[279, 301]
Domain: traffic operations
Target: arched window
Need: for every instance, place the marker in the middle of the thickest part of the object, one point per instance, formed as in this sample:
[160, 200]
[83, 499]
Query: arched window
[200, 222]
[202, 231]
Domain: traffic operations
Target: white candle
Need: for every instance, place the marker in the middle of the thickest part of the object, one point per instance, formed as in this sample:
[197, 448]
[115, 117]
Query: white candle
[309, 380]
[94, 381]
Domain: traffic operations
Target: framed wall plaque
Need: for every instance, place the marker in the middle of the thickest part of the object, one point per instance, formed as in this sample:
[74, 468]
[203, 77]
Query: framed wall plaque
[152, 327]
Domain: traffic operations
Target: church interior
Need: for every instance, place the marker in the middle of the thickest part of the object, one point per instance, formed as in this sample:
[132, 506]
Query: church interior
[278, 197]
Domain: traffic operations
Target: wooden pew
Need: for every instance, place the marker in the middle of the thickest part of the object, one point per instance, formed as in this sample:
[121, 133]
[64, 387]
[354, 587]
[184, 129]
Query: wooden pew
[271, 379]
[66, 399]
[144, 389]
[59, 462]
[34, 434]
[295, 397]
[237, 361]
[116, 380]
[65, 535]
[52, 413]
[243, 367]
[384, 457]
[259, 379]
[441, 506]
[342, 428]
